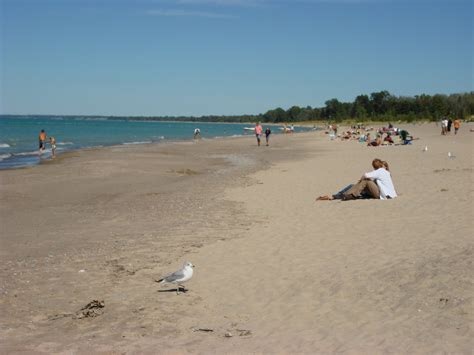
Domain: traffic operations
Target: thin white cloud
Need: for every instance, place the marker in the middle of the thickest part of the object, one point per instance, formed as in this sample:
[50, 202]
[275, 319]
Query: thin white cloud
[260, 3]
[342, 1]
[276, 2]
[184, 13]
[271, 3]
[234, 3]
[223, 2]
[251, 3]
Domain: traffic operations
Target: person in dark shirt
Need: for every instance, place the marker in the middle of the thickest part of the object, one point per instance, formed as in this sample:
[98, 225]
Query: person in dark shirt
[450, 122]
[267, 135]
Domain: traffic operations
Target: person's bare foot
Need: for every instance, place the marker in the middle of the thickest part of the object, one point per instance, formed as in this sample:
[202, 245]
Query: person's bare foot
[325, 198]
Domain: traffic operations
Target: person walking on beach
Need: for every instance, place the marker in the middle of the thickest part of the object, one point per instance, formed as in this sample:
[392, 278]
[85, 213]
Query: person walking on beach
[456, 124]
[450, 122]
[52, 141]
[444, 126]
[258, 132]
[267, 135]
[42, 141]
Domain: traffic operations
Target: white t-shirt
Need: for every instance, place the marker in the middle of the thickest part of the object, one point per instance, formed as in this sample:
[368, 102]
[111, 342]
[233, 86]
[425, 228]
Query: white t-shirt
[384, 181]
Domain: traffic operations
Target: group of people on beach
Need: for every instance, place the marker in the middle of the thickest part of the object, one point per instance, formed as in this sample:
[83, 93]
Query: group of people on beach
[446, 124]
[42, 138]
[258, 134]
[388, 136]
[376, 184]
[384, 136]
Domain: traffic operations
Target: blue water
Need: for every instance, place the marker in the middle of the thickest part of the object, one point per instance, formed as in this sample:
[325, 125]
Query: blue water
[19, 135]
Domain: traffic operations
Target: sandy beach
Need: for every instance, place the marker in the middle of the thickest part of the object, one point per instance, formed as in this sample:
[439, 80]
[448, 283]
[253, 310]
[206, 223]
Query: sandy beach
[276, 271]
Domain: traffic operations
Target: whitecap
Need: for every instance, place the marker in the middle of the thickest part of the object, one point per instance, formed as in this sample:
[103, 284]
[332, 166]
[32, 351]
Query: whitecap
[35, 152]
[133, 143]
[4, 156]
[4, 145]
[91, 119]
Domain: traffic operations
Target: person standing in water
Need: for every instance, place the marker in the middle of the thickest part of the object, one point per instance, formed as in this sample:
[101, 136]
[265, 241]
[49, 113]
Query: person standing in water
[258, 132]
[42, 141]
[52, 141]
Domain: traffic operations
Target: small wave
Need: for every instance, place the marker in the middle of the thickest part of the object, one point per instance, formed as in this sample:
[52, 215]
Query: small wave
[35, 152]
[64, 143]
[161, 137]
[4, 145]
[4, 156]
[133, 143]
[91, 118]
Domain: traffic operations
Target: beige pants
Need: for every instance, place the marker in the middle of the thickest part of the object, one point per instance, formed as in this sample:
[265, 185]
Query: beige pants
[366, 187]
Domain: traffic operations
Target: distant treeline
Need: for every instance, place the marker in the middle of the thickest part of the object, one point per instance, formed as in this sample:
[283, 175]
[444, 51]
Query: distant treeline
[380, 106]
[376, 106]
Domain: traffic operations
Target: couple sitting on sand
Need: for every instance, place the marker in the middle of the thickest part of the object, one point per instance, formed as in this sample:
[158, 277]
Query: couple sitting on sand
[375, 184]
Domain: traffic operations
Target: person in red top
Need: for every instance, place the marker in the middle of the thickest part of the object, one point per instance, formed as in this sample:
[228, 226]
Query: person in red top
[258, 132]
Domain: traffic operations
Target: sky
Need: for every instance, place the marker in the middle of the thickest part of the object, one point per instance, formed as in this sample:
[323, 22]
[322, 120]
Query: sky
[226, 57]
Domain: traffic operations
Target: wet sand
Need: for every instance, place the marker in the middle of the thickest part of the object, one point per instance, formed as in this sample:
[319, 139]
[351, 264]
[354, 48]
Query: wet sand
[276, 271]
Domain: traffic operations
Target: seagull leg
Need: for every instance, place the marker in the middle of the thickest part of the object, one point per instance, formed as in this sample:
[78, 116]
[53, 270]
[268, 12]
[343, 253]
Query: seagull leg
[177, 290]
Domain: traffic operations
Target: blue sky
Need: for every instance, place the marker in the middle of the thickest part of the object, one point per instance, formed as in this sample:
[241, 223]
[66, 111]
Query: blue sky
[199, 57]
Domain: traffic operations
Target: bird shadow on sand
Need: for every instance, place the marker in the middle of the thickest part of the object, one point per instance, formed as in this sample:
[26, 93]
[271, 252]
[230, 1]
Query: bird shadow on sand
[180, 290]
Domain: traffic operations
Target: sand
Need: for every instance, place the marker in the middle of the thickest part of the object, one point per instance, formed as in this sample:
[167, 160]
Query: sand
[276, 271]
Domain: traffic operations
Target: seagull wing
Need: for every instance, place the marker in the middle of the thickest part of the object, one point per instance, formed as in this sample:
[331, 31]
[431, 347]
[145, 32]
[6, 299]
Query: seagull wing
[174, 277]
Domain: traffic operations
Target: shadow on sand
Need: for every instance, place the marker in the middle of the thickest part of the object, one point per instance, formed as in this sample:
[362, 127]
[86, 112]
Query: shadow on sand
[180, 290]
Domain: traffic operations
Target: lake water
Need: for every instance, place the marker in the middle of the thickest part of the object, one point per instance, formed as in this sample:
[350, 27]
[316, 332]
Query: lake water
[19, 135]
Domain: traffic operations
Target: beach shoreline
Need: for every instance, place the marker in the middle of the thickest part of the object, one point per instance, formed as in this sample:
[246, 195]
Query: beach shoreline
[18, 148]
[274, 269]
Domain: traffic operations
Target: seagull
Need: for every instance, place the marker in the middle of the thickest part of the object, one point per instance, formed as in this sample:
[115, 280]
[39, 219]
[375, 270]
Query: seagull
[180, 276]
[425, 149]
[451, 156]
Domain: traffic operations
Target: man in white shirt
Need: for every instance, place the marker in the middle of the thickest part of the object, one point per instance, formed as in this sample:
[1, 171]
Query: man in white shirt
[375, 184]
[444, 126]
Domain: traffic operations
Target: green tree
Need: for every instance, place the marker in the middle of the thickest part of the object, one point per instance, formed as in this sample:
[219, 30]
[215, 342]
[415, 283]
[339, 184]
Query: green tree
[378, 102]
[293, 113]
